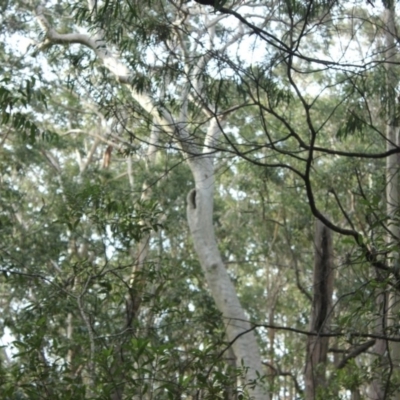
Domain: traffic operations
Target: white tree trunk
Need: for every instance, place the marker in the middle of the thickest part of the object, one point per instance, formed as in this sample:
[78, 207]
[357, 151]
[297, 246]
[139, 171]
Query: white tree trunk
[392, 178]
[200, 218]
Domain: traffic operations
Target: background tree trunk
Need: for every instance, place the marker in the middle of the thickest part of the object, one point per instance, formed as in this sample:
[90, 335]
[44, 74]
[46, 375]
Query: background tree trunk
[388, 304]
[317, 347]
[392, 178]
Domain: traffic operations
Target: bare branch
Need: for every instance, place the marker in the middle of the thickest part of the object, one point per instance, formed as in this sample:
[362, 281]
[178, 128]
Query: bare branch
[356, 352]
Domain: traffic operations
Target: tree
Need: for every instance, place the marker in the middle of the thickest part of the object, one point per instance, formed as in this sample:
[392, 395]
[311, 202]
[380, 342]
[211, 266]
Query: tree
[287, 126]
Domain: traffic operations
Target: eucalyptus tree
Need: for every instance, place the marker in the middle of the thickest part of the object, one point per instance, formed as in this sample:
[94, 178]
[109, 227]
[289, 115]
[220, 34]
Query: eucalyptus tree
[200, 166]
[297, 89]
[101, 41]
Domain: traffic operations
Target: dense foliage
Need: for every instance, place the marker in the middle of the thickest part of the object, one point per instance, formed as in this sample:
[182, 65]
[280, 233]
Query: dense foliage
[106, 106]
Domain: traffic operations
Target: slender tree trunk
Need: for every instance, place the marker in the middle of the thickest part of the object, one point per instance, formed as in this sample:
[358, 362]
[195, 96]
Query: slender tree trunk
[355, 394]
[392, 177]
[376, 388]
[317, 347]
[388, 305]
[133, 298]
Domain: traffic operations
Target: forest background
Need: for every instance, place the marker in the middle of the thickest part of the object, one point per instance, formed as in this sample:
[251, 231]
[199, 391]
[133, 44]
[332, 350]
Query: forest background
[199, 200]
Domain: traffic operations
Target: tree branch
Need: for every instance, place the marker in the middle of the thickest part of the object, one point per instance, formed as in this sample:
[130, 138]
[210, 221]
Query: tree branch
[355, 352]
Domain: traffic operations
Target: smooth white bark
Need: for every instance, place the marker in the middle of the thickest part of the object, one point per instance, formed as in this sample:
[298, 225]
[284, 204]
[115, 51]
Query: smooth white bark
[200, 218]
[392, 179]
